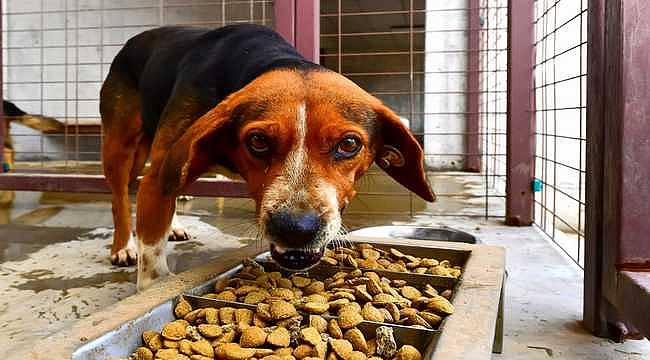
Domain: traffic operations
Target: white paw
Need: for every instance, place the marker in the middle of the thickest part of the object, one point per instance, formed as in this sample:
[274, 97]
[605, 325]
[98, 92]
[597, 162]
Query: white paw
[152, 264]
[185, 198]
[127, 256]
[177, 232]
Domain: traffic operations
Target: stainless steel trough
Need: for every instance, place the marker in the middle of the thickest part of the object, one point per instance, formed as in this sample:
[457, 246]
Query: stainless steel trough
[467, 334]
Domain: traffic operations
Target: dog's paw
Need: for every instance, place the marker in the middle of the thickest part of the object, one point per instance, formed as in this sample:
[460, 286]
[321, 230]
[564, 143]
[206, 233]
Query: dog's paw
[127, 256]
[185, 198]
[178, 234]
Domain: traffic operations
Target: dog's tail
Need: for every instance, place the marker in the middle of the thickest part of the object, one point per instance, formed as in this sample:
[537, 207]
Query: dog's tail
[44, 124]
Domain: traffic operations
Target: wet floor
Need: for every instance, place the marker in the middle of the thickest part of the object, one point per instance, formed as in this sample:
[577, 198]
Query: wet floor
[54, 266]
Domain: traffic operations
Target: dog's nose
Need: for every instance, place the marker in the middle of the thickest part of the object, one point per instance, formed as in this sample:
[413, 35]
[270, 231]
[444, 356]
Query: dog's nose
[294, 228]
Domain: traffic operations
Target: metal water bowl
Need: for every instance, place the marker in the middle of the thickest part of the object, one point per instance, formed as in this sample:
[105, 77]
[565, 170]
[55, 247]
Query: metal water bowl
[417, 233]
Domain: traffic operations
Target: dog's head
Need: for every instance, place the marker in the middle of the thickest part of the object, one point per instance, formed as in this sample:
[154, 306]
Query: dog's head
[301, 140]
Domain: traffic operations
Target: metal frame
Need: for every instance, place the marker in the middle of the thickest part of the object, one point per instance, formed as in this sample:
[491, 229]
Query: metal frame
[521, 115]
[472, 120]
[617, 277]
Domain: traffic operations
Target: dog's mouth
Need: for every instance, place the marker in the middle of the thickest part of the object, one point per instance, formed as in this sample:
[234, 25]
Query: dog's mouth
[296, 259]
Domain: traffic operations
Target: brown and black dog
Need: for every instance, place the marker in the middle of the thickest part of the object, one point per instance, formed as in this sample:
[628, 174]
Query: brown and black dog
[242, 97]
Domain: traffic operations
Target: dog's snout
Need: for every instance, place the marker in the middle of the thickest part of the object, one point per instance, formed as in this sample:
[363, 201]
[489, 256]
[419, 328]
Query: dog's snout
[295, 228]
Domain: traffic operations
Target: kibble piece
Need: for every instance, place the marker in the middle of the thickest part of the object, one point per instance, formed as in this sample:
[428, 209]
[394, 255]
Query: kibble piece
[167, 354]
[410, 292]
[282, 310]
[283, 352]
[371, 254]
[372, 347]
[356, 338]
[283, 293]
[356, 355]
[263, 311]
[318, 322]
[210, 330]
[255, 297]
[260, 353]
[285, 283]
[314, 288]
[153, 340]
[371, 313]
[408, 352]
[334, 329]
[394, 311]
[227, 315]
[279, 337]
[142, 353]
[433, 319]
[193, 333]
[303, 351]
[429, 262]
[170, 344]
[252, 337]
[203, 347]
[185, 347]
[228, 336]
[174, 330]
[349, 319]
[200, 357]
[362, 294]
[341, 347]
[353, 306]
[232, 351]
[440, 305]
[316, 308]
[310, 335]
[227, 295]
[244, 317]
[182, 308]
[300, 281]
[386, 345]
[193, 315]
[211, 316]
[329, 260]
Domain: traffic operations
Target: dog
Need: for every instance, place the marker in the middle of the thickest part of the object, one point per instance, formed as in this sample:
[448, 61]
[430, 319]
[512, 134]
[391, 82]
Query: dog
[241, 97]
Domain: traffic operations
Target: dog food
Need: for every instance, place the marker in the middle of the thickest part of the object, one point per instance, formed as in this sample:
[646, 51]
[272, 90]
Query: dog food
[276, 332]
[352, 296]
[367, 256]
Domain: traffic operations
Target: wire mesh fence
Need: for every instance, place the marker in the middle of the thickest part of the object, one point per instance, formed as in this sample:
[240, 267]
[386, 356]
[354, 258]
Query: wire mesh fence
[560, 90]
[441, 65]
[57, 54]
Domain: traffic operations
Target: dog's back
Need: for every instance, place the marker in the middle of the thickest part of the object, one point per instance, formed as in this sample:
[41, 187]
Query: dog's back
[214, 62]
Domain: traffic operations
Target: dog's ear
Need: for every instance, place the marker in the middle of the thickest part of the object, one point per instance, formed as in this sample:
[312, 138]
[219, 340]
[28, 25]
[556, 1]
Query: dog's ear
[400, 155]
[194, 152]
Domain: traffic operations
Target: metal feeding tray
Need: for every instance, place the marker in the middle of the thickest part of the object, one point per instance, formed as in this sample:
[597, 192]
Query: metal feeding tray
[467, 334]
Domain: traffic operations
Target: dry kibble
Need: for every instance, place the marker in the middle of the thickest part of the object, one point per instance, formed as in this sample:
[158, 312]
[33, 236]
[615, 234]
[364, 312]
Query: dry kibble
[329, 261]
[210, 330]
[433, 319]
[303, 351]
[185, 347]
[300, 281]
[285, 283]
[349, 319]
[371, 313]
[282, 310]
[279, 337]
[334, 329]
[283, 352]
[167, 354]
[153, 340]
[440, 305]
[227, 296]
[310, 335]
[182, 308]
[356, 338]
[356, 355]
[227, 315]
[200, 357]
[170, 344]
[233, 351]
[408, 352]
[252, 337]
[341, 347]
[203, 347]
[174, 330]
[142, 353]
[211, 316]
[283, 293]
[316, 308]
[243, 317]
[314, 288]
[255, 297]
[410, 292]
[318, 322]
[446, 294]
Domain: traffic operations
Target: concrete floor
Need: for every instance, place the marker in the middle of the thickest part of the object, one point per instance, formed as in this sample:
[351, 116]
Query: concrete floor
[54, 268]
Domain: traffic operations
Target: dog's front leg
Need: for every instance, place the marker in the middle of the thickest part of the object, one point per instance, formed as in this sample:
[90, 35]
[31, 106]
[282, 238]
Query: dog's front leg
[154, 216]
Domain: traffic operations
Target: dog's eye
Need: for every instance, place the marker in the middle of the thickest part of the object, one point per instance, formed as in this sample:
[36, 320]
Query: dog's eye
[348, 147]
[258, 144]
